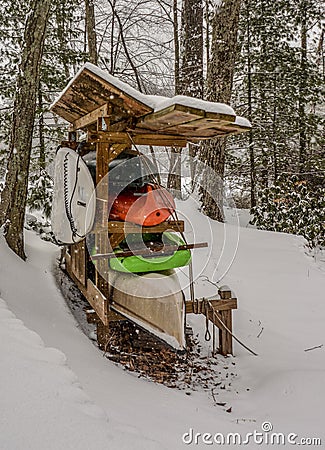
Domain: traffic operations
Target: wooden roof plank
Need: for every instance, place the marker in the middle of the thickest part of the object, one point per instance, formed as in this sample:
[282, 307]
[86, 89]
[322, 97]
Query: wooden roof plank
[173, 115]
[136, 108]
[179, 119]
[88, 92]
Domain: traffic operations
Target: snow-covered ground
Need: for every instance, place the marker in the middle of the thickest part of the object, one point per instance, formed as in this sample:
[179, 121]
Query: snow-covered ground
[58, 392]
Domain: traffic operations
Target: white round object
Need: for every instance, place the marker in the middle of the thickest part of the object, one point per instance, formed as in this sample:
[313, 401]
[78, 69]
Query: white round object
[74, 199]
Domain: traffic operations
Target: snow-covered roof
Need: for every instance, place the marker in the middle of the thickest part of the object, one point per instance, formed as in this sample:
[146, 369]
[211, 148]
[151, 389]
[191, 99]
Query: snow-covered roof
[94, 93]
[113, 81]
[217, 108]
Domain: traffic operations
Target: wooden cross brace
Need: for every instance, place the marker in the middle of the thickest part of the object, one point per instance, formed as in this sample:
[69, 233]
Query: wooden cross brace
[219, 311]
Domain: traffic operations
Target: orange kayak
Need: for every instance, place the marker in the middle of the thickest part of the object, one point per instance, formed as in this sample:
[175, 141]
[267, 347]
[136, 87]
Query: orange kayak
[148, 205]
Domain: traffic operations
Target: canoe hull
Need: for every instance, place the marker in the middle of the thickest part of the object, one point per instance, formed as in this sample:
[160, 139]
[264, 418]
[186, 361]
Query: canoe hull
[153, 301]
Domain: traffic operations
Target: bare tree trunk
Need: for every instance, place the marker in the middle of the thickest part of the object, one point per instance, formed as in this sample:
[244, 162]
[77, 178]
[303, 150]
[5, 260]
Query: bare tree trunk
[207, 30]
[212, 189]
[220, 73]
[112, 62]
[176, 48]
[91, 31]
[42, 158]
[188, 75]
[265, 162]
[250, 109]
[125, 47]
[302, 92]
[63, 36]
[320, 52]
[13, 201]
[174, 181]
[191, 80]
[274, 128]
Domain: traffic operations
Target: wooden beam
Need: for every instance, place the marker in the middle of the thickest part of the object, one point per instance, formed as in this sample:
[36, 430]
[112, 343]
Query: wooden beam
[101, 238]
[217, 304]
[92, 117]
[115, 239]
[166, 251]
[98, 301]
[78, 261]
[115, 150]
[93, 295]
[225, 292]
[92, 316]
[102, 153]
[137, 107]
[121, 137]
[219, 312]
[170, 116]
[128, 227]
[90, 90]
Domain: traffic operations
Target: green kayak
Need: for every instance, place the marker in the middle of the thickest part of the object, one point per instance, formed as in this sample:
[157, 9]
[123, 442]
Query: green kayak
[136, 264]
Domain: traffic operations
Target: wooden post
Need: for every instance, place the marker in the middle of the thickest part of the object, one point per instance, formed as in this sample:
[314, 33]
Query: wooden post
[225, 339]
[78, 261]
[101, 235]
[105, 154]
[102, 335]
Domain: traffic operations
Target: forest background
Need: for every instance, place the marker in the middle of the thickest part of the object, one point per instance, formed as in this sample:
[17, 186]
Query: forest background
[266, 58]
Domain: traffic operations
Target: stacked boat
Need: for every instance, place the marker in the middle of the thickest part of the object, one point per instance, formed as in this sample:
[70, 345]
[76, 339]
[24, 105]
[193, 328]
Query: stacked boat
[143, 284]
[135, 197]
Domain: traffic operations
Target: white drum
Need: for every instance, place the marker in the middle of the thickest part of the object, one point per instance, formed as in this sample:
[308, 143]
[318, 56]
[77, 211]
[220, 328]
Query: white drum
[74, 201]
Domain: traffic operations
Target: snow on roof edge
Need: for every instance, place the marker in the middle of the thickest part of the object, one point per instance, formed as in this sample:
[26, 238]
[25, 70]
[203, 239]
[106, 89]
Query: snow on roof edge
[220, 108]
[126, 88]
[243, 122]
[130, 91]
[156, 102]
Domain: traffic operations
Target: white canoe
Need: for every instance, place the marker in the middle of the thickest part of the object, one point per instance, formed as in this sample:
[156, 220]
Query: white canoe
[154, 301]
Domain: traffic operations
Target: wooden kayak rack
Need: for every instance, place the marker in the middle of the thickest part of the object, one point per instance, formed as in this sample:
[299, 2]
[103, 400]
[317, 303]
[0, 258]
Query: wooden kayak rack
[115, 117]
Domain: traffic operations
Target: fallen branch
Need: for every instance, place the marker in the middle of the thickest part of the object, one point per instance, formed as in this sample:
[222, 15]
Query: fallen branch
[313, 348]
[259, 334]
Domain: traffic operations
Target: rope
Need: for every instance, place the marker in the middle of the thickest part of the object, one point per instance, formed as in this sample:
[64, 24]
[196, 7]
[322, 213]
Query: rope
[207, 335]
[227, 329]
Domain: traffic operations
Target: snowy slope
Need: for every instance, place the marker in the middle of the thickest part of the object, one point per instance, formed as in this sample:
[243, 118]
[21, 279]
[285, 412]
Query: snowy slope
[42, 403]
[75, 398]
